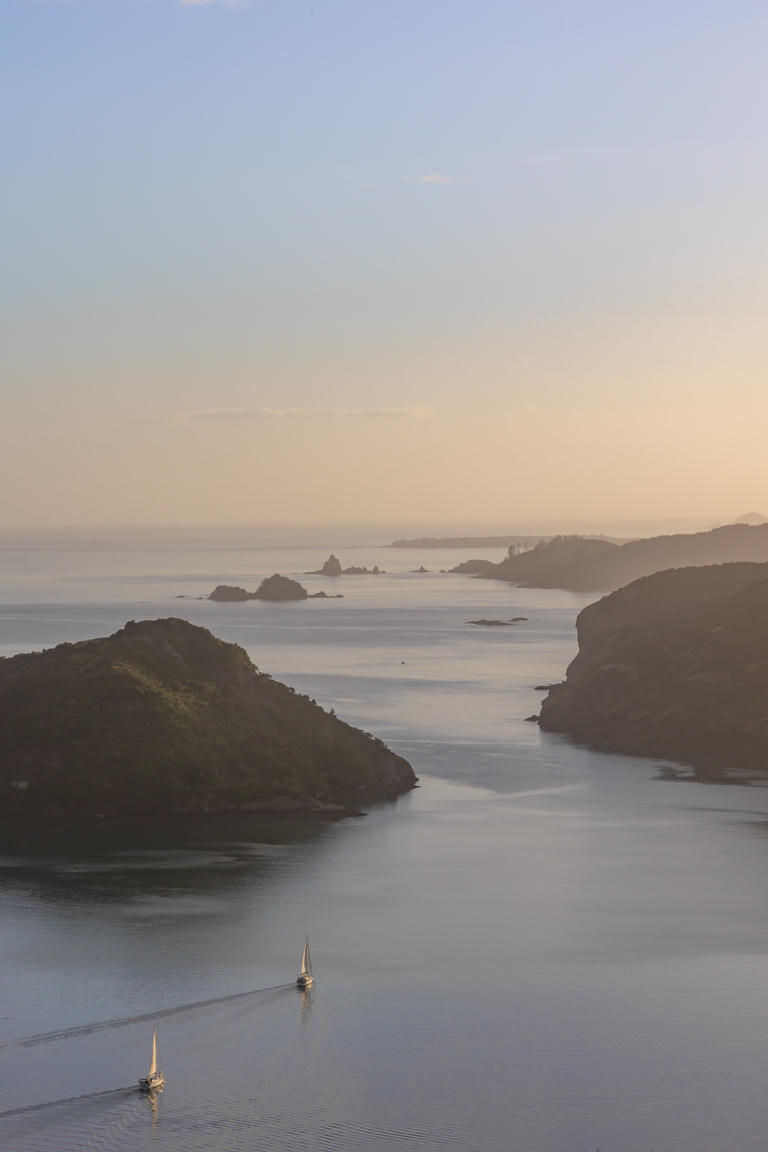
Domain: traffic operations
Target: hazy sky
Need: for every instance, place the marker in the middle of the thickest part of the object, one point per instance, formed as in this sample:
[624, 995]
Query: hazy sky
[381, 259]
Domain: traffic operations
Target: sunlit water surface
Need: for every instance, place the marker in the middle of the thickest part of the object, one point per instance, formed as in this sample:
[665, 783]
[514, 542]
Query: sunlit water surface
[540, 949]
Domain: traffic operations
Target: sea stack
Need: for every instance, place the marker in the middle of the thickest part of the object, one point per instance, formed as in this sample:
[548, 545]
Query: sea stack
[332, 567]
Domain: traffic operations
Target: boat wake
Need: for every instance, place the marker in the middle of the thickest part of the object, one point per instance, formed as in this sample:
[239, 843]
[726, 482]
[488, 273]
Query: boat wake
[66, 1100]
[123, 1021]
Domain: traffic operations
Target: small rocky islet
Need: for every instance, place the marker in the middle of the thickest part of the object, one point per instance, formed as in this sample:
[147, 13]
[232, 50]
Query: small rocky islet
[163, 718]
[279, 587]
[274, 588]
[499, 623]
[332, 567]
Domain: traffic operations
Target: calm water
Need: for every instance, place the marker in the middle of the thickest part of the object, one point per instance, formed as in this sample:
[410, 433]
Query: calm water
[540, 949]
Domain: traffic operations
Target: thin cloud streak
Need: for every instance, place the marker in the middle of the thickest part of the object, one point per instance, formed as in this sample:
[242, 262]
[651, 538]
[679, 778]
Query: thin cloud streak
[218, 415]
[433, 178]
[226, 3]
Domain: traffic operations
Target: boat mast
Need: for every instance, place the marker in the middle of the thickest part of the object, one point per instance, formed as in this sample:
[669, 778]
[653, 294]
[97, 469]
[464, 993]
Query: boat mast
[153, 1062]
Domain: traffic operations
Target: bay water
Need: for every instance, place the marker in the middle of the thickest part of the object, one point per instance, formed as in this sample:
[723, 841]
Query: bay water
[541, 948]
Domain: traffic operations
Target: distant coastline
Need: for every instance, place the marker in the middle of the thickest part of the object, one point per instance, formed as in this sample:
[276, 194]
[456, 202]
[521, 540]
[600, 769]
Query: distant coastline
[467, 542]
[523, 543]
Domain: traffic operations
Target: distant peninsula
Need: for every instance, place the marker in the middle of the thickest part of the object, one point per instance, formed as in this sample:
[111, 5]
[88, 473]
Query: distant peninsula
[272, 588]
[587, 564]
[516, 543]
[332, 567]
[474, 567]
[468, 542]
[674, 665]
[163, 718]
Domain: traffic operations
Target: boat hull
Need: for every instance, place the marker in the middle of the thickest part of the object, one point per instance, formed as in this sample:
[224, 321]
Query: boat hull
[305, 981]
[147, 1083]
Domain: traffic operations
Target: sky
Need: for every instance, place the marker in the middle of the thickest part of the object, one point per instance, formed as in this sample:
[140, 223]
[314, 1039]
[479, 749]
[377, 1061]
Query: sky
[382, 260]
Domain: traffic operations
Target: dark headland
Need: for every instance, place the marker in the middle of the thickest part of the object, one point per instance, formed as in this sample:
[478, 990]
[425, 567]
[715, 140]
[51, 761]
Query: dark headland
[675, 666]
[587, 564]
[164, 718]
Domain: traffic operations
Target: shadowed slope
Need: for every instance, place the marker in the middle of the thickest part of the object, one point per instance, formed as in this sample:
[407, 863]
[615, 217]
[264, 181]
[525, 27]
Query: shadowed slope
[162, 717]
[674, 665]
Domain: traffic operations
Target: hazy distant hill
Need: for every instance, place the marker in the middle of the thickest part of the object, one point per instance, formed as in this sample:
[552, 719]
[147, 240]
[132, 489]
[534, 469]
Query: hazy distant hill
[467, 541]
[584, 565]
[675, 665]
[484, 541]
[752, 518]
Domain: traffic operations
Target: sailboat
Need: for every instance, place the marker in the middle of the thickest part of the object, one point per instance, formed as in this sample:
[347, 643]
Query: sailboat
[305, 979]
[154, 1078]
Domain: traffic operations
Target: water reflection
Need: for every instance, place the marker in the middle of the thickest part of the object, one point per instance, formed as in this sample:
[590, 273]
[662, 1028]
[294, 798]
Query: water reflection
[627, 919]
[152, 1102]
[711, 774]
[629, 926]
[152, 868]
[305, 995]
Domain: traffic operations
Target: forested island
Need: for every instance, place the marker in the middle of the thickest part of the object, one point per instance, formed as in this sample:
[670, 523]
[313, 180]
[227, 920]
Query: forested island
[163, 718]
[674, 665]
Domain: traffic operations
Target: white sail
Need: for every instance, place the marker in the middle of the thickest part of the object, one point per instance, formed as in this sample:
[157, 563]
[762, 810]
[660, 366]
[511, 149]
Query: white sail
[153, 1062]
[306, 966]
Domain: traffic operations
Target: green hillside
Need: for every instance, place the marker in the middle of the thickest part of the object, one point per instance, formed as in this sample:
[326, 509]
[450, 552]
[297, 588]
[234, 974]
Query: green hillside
[162, 717]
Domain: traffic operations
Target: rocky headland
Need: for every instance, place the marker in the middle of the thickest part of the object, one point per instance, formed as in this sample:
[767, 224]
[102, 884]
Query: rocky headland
[473, 567]
[675, 665]
[164, 718]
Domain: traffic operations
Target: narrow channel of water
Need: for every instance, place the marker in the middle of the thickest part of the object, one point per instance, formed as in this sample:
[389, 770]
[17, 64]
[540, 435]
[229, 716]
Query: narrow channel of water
[541, 948]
